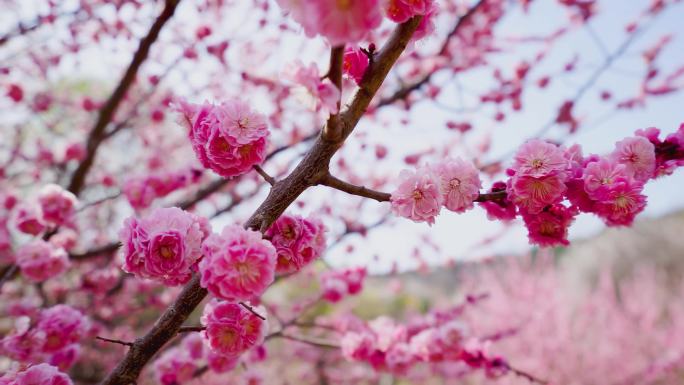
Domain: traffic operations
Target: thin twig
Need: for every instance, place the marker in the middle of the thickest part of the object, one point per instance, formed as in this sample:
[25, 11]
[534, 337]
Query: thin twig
[251, 310]
[349, 188]
[308, 340]
[190, 329]
[269, 179]
[129, 344]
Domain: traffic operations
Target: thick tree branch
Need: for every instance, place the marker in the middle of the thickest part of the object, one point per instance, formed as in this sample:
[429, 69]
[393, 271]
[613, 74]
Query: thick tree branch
[308, 172]
[404, 91]
[97, 134]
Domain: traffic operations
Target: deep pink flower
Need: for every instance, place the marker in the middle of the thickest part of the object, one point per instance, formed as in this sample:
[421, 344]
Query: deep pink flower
[231, 329]
[459, 183]
[298, 241]
[427, 24]
[75, 151]
[418, 196]
[42, 374]
[538, 158]
[638, 155]
[193, 344]
[28, 219]
[61, 325]
[22, 343]
[228, 138]
[340, 21]
[357, 346]
[174, 366]
[397, 10]
[550, 227]
[219, 363]
[57, 204]
[355, 63]
[337, 284]
[66, 357]
[534, 193]
[238, 264]
[39, 260]
[621, 204]
[164, 245]
[601, 177]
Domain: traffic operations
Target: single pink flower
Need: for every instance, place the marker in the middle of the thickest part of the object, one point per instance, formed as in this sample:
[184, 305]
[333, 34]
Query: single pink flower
[218, 363]
[57, 204]
[398, 11]
[238, 264]
[174, 366]
[621, 204]
[164, 245]
[638, 155]
[459, 182]
[550, 227]
[39, 260]
[537, 158]
[603, 176]
[298, 241]
[418, 196]
[61, 325]
[324, 93]
[534, 193]
[22, 343]
[66, 357]
[355, 63]
[231, 329]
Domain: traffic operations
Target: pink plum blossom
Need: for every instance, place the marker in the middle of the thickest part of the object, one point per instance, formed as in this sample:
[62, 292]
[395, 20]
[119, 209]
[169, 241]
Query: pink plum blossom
[355, 63]
[298, 241]
[604, 175]
[324, 93]
[418, 196]
[621, 204]
[42, 374]
[459, 183]
[638, 155]
[57, 204]
[174, 366]
[39, 260]
[535, 193]
[549, 227]
[238, 264]
[164, 245]
[28, 219]
[537, 158]
[61, 325]
[231, 329]
[337, 284]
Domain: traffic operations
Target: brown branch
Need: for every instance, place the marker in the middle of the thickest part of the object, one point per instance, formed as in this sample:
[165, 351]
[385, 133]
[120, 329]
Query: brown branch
[125, 343]
[525, 375]
[404, 91]
[269, 179]
[492, 196]
[308, 340]
[9, 273]
[308, 172]
[190, 329]
[349, 188]
[107, 112]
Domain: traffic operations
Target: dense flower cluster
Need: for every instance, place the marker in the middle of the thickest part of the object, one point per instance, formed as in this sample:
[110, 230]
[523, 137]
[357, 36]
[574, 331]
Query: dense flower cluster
[298, 241]
[41, 374]
[231, 329]
[237, 265]
[40, 260]
[165, 245]
[228, 138]
[548, 185]
[142, 190]
[339, 21]
[51, 335]
[337, 284]
[388, 346]
[453, 183]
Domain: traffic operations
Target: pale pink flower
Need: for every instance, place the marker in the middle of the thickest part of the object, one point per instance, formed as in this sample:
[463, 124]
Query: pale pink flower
[603, 176]
[418, 196]
[337, 284]
[355, 63]
[238, 264]
[61, 325]
[221, 143]
[638, 155]
[427, 24]
[426, 345]
[298, 241]
[231, 329]
[164, 245]
[174, 366]
[357, 346]
[538, 158]
[39, 260]
[193, 344]
[324, 93]
[28, 219]
[387, 332]
[220, 363]
[340, 21]
[459, 182]
[57, 204]
[42, 374]
[400, 358]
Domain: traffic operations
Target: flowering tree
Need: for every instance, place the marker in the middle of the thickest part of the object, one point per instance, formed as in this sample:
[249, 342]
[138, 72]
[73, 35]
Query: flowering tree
[110, 261]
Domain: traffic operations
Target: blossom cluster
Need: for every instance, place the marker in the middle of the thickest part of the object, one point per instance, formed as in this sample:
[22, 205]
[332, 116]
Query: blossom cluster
[351, 21]
[548, 185]
[452, 183]
[228, 138]
[141, 191]
[53, 207]
[231, 329]
[39, 260]
[389, 346]
[337, 284]
[41, 374]
[298, 241]
[51, 335]
[165, 245]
